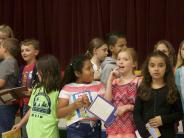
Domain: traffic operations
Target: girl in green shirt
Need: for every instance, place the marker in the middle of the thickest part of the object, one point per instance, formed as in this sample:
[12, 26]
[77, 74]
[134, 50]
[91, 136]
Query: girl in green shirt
[41, 117]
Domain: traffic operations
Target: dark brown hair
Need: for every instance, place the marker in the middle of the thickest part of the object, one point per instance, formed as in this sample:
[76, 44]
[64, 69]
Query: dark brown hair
[49, 67]
[145, 86]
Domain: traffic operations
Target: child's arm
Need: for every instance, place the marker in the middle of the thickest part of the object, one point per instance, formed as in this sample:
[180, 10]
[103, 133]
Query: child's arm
[108, 93]
[112, 76]
[176, 115]
[64, 109]
[22, 121]
[2, 83]
[137, 114]
[124, 108]
[177, 79]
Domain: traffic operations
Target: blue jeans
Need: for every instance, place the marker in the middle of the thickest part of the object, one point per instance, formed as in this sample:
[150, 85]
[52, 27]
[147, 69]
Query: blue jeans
[83, 130]
[7, 117]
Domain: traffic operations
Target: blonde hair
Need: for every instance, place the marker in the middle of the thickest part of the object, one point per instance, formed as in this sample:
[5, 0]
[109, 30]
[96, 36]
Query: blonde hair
[180, 61]
[7, 29]
[133, 55]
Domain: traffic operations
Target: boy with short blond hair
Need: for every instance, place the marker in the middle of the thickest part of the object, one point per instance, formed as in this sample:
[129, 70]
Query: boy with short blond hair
[28, 77]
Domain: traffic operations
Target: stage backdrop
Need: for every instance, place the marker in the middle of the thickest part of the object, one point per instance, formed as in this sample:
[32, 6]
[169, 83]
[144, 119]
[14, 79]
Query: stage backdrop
[64, 27]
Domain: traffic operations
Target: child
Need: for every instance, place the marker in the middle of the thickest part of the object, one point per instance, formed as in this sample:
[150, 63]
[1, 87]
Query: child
[27, 74]
[121, 90]
[8, 79]
[116, 42]
[42, 119]
[97, 52]
[180, 57]
[78, 79]
[179, 74]
[5, 32]
[167, 48]
[158, 102]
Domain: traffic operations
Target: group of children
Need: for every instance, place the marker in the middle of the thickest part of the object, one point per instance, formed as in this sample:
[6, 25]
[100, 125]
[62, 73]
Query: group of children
[154, 98]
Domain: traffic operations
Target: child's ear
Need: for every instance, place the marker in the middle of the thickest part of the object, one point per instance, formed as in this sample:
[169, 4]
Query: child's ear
[77, 74]
[111, 48]
[94, 51]
[36, 52]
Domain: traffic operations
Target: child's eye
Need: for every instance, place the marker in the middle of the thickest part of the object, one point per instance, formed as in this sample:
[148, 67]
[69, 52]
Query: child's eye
[161, 65]
[151, 65]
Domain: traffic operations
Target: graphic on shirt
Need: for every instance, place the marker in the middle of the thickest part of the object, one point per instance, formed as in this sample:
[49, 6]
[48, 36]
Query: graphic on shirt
[42, 103]
[81, 113]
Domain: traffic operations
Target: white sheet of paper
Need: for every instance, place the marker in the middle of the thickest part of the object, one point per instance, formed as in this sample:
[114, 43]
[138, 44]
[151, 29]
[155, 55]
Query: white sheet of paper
[101, 108]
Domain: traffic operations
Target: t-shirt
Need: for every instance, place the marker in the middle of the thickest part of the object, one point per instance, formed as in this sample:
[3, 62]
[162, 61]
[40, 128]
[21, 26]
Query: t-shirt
[27, 75]
[43, 122]
[93, 89]
[8, 72]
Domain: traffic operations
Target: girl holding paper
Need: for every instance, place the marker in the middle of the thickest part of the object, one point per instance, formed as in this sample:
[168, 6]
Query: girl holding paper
[78, 91]
[158, 103]
[121, 91]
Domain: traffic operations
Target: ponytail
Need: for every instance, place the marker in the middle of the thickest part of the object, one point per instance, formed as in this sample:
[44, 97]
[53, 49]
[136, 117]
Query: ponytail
[76, 65]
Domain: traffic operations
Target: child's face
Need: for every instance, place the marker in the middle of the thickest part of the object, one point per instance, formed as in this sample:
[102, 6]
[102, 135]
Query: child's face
[102, 52]
[120, 44]
[86, 76]
[157, 68]
[3, 36]
[182, 52]
[28, 53]
[163, 48]
[125, 62]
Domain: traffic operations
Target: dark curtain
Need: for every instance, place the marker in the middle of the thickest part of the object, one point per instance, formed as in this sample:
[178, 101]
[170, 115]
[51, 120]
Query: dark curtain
[64, 27]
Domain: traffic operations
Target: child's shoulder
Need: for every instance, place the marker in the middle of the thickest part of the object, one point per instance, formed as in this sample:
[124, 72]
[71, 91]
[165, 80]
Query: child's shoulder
[82, 86]
[136, 80]
[9, 63]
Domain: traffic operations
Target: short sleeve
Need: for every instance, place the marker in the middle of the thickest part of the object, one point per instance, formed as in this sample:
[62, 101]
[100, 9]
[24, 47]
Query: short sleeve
[101, 90]
[32, 97]
[63, 94]
[6, 69]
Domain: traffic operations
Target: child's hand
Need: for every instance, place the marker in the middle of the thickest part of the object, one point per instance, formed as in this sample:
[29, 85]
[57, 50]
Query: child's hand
[16, 126]
[123, 109]
[28, 93]
[130, 107]
[114, 74]
[85, 101]
[155, 122]
[78, 103]
[120, 111]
